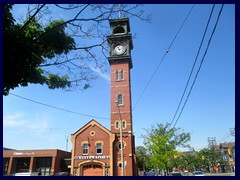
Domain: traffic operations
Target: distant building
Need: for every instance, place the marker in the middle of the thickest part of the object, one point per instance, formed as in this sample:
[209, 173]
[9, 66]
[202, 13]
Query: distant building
[47, 162]
[227, 150]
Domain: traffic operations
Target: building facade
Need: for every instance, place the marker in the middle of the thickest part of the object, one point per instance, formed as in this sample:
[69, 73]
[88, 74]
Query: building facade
[47, 162]
[97, 150]
[227, 150]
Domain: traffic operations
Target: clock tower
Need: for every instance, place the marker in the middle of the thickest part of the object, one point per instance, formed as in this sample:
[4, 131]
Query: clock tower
[120, 44]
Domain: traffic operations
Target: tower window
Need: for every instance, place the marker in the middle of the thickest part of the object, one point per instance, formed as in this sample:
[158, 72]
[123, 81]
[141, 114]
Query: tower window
[116, 75]
[85, 149]
[118, 30]
[120, 165]
[99, 148]
[119, 145]
[117, 124]
[123, 124]
[121, 75]
[120, 99]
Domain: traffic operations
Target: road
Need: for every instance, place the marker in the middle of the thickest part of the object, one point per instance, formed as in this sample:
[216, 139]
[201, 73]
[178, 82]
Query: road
[220, 174]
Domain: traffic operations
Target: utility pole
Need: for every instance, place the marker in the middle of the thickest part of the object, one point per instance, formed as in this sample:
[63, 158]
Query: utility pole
[232, 131]
[66, 137]
[211, 143]
[121, 141]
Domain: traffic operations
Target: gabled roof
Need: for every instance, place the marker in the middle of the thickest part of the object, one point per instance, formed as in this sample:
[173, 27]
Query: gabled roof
[227, 145]
[91, 123]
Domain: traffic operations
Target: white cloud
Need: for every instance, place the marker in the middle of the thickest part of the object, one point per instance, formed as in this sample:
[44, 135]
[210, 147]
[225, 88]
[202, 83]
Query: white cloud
[13, 120]
[39, 123]
[101, 74]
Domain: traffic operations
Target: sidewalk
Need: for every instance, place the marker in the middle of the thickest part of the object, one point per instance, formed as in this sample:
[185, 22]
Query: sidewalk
[220, 174]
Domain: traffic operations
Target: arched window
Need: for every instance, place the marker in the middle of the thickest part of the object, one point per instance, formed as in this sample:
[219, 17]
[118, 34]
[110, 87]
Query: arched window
[123, 124]
[119, 99]
[118, 30]
[121, 75]
[117, 124]
[117, 75]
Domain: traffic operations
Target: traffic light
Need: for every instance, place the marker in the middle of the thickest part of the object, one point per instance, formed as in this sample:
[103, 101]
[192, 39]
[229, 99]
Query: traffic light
[203, 157]
[229, 151]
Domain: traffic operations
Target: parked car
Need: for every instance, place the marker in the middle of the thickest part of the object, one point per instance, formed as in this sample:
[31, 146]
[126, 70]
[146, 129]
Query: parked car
[175, 174]
[185, 173]
[198, 173]
[28, 174]
[23, 174]
[63, 174]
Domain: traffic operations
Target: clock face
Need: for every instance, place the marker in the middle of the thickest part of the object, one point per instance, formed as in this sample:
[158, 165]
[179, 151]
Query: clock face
[119, 49]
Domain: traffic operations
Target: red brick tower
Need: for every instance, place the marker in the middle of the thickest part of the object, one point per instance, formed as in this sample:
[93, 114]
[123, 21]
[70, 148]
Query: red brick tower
[120, 42]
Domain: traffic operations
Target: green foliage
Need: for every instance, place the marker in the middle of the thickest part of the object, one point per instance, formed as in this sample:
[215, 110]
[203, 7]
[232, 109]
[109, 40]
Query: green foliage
[26, 46]
[55, 41]
[161, 142]
[54, 81]
[142, 158]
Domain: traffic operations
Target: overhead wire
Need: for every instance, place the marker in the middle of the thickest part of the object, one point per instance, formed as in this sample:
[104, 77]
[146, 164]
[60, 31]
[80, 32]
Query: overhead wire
[61, 109]
[199, 49]
[209, 41]
[218, 142]
[167, 51]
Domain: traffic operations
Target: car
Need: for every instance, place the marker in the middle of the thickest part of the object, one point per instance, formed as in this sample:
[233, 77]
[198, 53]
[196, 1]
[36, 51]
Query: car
[63, 174]
[175, 174]
[185, 173]
[23, 174]
[198, 173]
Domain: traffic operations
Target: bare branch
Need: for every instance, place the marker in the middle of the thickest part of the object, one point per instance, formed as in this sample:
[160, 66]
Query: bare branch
[33, 16]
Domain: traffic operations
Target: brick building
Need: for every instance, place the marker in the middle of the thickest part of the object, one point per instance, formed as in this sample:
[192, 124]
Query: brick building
[47, 162]
[95, 149]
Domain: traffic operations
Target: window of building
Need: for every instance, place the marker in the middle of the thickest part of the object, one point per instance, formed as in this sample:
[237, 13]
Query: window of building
[99, 147]
[123, 124]
[120, 99]
[119, 145]
[5, 165]
[116, 124]
[117, 75]
[121, 75]
[107, 172]
[119, 165]
[85, 149]
[22, 164]
[44, 165]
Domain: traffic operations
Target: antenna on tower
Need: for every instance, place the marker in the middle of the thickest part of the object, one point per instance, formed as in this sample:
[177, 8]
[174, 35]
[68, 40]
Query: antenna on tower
[119, 11]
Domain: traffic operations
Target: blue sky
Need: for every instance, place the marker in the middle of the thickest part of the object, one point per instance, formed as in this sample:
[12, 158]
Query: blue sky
[210, 109]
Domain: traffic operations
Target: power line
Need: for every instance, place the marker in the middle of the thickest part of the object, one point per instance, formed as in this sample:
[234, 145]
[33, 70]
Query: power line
[61, 109]
[219, 14]
[154, 73]
[193, 65]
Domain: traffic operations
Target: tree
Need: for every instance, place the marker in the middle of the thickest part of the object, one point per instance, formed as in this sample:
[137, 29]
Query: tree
[211, 158]
[161, 142]
[142, 158]
[59, 53]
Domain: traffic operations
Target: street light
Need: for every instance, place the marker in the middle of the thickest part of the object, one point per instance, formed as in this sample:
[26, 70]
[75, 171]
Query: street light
[121, 141]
